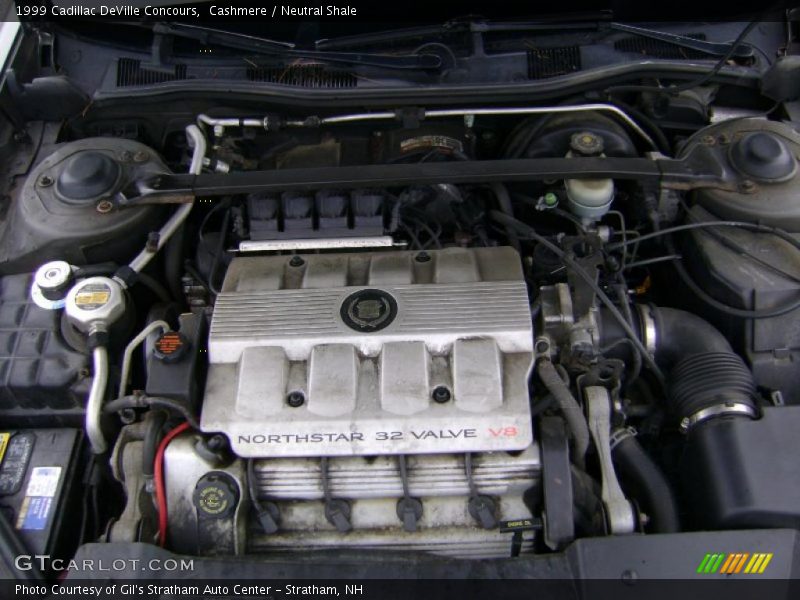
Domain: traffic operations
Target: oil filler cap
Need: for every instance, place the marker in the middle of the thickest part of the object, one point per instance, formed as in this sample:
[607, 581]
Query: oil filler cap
[88, 175]
[171, 347]
[763, 156]
[216, 496]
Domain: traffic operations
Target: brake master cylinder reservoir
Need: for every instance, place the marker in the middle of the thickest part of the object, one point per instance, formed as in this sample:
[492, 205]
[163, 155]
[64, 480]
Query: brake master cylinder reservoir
[588, 199]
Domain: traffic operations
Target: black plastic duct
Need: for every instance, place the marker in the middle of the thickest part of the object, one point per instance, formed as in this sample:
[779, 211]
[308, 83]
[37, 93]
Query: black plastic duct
[703, 370]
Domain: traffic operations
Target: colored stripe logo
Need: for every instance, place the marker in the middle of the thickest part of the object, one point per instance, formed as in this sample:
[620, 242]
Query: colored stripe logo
[734, 563]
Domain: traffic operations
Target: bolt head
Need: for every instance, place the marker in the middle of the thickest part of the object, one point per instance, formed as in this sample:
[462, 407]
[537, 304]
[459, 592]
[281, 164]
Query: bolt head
[629, 577]
[216, 442]
[104, 206]
[441, 394]
[295, 399]
[127, 416]
[747, 186]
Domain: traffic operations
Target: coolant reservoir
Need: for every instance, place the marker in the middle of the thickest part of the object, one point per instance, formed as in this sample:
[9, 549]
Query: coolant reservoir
[589, 199]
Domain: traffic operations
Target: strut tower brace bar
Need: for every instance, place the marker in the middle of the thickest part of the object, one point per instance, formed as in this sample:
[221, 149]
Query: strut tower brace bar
[702, 168]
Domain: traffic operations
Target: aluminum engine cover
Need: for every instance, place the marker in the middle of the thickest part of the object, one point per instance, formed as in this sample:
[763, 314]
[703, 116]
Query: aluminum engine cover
[366, 338]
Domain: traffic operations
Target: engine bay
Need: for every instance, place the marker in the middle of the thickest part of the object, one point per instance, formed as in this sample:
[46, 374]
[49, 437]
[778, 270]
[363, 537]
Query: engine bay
[467, 331]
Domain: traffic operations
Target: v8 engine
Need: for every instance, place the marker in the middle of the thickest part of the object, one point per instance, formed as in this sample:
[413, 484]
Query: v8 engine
[379, 392]
[371, 354]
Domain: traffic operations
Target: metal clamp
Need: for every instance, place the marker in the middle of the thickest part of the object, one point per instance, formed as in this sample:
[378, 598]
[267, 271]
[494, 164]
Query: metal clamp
[718, 410]
[649, 329]
[619, 435]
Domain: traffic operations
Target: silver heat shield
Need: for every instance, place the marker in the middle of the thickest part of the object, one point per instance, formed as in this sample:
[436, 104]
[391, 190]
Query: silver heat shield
[371, 354]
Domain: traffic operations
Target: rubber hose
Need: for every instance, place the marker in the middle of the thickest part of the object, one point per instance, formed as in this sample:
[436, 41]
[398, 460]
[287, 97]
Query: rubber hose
[109, 268]
[173, 263]
[703, 369]
[652, 488]
[152, 437]
[569, 407]
[97, 269]
[119, 404]
[678, 334]
[154, 286]
[681, 334]
[704, 380]
[504, 203]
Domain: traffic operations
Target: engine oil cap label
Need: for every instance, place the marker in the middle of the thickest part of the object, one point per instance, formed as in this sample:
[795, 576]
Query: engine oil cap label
[212, 500]
[526, 524]
[171, 346]
[93, 296]
[16, 455]
[216, 496]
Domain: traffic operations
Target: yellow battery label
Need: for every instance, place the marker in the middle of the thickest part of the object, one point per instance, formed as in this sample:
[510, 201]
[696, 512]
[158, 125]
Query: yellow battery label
[4, 437]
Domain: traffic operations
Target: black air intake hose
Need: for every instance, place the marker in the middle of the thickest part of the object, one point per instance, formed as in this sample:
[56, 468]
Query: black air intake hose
[710, 390]
[702, 381]
[703, 371]
[706, 379]
[680, 334]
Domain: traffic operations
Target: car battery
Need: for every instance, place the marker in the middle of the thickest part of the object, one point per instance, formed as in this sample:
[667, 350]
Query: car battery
[37, 472]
